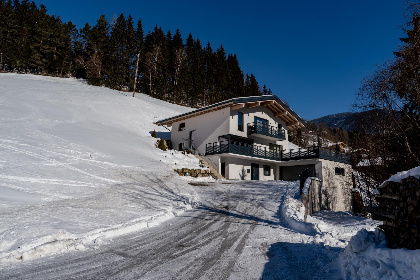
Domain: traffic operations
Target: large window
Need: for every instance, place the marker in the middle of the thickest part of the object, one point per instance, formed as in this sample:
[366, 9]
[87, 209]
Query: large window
[267, 170]
[260, 121]
[240, 121]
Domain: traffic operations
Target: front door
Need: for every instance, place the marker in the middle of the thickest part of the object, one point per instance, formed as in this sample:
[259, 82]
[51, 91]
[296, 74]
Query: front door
[191, 140]
[255, 171]
[223, 169]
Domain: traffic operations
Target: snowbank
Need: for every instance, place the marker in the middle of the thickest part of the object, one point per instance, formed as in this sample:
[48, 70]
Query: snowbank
[293, 212]
[333, 229]
[367, 257]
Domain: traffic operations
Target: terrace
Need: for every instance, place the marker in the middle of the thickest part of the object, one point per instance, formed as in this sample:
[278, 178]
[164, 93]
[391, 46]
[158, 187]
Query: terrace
[232, 144]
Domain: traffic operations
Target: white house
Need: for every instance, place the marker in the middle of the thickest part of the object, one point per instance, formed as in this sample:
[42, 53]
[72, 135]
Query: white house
[246, 138]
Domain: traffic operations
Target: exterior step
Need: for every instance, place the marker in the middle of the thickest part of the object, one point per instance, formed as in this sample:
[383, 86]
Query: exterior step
[214, 172]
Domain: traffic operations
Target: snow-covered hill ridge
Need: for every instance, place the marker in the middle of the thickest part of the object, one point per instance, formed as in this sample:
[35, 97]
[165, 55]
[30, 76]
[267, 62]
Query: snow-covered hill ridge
[78, 165]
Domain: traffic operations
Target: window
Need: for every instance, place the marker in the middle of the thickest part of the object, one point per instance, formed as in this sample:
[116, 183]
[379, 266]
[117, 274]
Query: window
[267, 170]
[240, 121]
[181, 127]
[260, 121]
[181, 146]
[339, 171]
[275, 149]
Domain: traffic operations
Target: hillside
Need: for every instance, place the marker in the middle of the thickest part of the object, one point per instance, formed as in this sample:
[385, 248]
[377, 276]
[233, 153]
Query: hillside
[78, 165]
[346, 121]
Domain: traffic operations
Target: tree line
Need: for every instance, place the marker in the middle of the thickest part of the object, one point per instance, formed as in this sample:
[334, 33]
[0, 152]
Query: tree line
[108, 53]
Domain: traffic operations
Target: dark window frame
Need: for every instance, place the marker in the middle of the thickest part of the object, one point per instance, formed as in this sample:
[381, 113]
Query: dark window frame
[267, 170]
[263, 121]
[340, 171]
[240, 121]
[181, 127]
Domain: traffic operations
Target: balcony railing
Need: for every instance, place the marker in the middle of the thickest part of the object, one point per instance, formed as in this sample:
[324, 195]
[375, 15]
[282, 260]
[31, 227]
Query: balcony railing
[246, 150]
[301, 154]
[266, 130]
[255, 151]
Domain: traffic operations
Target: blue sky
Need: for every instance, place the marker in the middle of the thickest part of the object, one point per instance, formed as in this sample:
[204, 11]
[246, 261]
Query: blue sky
[312, 54]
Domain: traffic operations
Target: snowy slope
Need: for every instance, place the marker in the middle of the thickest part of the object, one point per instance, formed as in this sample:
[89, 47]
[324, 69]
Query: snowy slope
[78, 166]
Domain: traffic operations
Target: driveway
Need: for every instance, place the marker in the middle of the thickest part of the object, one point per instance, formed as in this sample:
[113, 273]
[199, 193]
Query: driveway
[237, 232]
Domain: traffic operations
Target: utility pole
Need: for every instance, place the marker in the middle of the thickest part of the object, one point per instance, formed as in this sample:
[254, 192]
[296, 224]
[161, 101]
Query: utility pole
[137, 69]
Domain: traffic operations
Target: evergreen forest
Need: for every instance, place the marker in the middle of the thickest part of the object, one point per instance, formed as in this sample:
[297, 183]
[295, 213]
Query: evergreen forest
[109, 53]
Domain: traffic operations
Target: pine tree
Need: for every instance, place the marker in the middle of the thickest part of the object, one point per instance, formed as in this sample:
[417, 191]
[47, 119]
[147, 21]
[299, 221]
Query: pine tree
[254, 89]
[139, 41]
[155, 65]
[98, 61]
[131, 54]
[221, 81]
[247, 85]
[177, 66]
[118, 54]
[9, 30]
[264, 91]
[236, 86]
[209, 90]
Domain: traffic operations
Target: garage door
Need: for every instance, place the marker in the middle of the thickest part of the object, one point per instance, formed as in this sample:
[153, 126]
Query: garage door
[291, 173]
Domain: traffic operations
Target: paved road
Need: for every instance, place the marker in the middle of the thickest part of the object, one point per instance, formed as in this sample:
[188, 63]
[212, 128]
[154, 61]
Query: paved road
[237, 233]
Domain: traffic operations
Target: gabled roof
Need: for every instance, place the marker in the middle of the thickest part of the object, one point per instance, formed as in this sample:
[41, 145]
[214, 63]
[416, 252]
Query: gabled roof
[272, 102]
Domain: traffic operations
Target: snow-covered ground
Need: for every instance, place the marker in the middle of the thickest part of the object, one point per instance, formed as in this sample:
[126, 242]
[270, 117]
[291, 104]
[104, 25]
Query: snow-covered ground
[78, 170]
[78, 166]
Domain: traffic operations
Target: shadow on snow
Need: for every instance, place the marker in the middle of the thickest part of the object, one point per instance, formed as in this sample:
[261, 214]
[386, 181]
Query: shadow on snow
[301, 261]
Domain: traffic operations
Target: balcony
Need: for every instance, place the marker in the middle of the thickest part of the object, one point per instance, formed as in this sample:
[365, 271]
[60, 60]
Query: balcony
[244, 150]
[315, 152]
[267, 132]
[249, 149]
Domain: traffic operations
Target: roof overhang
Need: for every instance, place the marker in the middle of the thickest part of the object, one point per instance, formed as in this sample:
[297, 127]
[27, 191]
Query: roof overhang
[276, 105]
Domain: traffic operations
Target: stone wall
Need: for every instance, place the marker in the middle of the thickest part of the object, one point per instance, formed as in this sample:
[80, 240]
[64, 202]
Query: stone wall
[193, 172]
[399, 208]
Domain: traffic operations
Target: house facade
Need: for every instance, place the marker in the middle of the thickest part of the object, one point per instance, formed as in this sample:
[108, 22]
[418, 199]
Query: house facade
[247, 139]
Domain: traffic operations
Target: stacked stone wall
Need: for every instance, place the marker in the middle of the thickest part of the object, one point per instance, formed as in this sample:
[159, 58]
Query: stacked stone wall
[193, 172]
